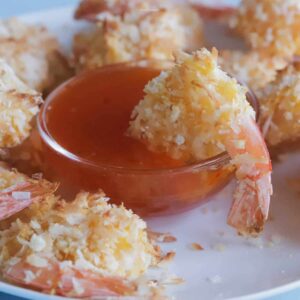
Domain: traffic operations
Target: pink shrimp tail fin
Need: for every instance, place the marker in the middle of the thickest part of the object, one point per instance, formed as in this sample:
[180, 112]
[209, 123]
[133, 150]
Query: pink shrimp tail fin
[22, 195]
[90, 284]
[250, 207]
[68, 281]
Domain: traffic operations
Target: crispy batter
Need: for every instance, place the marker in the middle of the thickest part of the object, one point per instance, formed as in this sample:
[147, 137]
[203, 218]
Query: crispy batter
[29, 49]
[252, 68]
[18, 105]
[138, 35]
[28, 156]
[272, 26]
[88, 233]
[280, 107]
[95, 9]
[188, 110]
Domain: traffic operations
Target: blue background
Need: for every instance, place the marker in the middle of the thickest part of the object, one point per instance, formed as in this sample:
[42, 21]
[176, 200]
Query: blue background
[14, 7]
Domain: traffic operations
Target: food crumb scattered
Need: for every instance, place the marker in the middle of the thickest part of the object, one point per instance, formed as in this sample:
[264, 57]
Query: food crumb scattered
[173, 279]
[167, 258]
[161, 237]
[196, 246]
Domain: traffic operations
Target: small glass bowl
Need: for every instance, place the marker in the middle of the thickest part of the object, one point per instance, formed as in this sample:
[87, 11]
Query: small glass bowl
[148, 192]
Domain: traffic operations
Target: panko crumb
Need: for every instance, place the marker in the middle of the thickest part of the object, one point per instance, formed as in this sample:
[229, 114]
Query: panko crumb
[252, 68]
[18, 105]
[88, 233]
[161, 237]
[202, 95]
[271, 26]
[280, 107]
[138, 34]
[33, 53]
[166, 259]
[197, 247]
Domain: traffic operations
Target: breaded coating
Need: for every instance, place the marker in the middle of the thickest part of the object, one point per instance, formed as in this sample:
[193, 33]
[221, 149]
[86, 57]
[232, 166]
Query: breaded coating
[187, 111]
[89, 234]
[280, 107]
[18, 105]
[96, 9]
[252, 68]
[271, 26]
[29, 49]
[138, 34]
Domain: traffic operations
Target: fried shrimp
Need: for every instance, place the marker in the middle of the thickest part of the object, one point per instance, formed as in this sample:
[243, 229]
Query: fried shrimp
[138, 34]
[280, 107]
[19, 104]
[94, 10]
[195, 111]
[33, 54]
[271, 26]
[252, 68]
[85, 248]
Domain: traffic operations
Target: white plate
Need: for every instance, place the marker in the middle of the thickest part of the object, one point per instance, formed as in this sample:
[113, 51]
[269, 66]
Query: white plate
[230, 266]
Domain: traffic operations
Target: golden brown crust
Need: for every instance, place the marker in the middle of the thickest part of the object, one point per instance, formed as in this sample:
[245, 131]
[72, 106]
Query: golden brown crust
[28, 49]
[138, 35]
[18, 105]
[280, 107]
[88, 233]
[254, 68]
[271, 26]
[92, 9]
[182, 108]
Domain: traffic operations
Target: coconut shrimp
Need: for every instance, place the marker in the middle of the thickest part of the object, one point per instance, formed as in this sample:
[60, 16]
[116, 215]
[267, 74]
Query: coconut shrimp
[280, 107]
[94, 10]
[195, 111]
[33, 53]
[135, 31]
[253, 68]
[85, 248]
[18, 105]
[269, 26]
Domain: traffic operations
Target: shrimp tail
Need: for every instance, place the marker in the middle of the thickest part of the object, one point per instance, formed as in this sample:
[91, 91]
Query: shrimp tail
[250, 207]
[67, 281]
[22, 195]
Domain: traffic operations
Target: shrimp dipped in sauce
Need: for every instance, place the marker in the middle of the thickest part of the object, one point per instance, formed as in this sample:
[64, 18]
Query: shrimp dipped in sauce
[195, 111]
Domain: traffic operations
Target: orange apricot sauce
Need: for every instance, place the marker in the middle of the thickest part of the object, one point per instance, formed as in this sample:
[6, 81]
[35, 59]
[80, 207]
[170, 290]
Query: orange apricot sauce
[89, 117]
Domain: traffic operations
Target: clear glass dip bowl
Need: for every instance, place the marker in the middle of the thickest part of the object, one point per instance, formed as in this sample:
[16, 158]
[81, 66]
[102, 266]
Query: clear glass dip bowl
[146, 191]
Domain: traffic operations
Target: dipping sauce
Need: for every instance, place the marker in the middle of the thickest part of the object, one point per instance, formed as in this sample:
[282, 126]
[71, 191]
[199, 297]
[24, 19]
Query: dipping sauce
[89, 117]
[83, 128]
